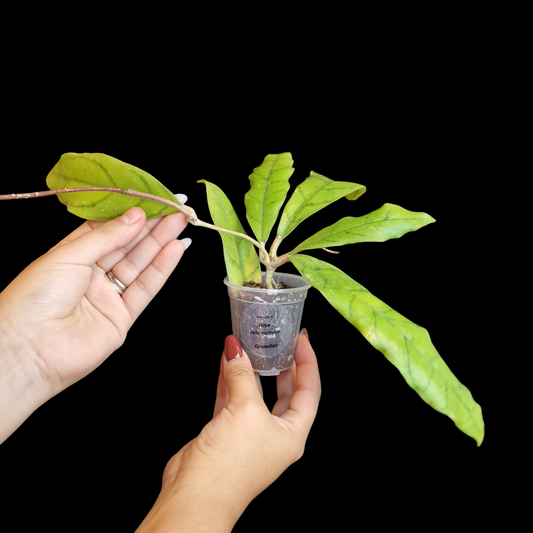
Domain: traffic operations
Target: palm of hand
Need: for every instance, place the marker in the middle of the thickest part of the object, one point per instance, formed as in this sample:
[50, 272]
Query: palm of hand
[64, 307]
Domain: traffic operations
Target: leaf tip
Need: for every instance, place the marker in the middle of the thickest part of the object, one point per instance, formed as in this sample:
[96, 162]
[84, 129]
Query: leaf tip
[429, 218]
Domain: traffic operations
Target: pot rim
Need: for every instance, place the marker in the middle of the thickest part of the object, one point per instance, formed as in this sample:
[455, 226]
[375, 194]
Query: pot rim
[276, 275]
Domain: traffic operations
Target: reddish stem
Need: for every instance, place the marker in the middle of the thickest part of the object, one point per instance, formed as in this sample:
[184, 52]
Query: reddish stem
[129, 192]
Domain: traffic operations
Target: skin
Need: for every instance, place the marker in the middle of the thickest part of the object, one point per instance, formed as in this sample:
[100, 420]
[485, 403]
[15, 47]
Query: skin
[60, 319]
[209, 483]
[61, 305]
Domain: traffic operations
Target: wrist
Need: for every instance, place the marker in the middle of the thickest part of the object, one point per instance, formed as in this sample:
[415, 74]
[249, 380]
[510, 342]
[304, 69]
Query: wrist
[22, 386]
[196, 505]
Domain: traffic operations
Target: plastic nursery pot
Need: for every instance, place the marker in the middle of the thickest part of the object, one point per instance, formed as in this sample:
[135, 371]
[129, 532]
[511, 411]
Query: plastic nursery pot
[267, 322]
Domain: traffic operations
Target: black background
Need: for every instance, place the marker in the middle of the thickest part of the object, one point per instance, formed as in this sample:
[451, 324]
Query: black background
[411, 130]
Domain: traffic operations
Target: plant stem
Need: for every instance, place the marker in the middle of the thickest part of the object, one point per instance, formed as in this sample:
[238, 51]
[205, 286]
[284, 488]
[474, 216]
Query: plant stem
[188, 211]
[129, 192]
[203, 224]
[275, 246]
[281, 260]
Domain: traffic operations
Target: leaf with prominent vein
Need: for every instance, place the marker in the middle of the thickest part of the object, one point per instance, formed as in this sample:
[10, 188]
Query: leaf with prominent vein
[407, 346]
[100, 170]
[240, 255]
[388, 222]
[315, 193]
[269, 184]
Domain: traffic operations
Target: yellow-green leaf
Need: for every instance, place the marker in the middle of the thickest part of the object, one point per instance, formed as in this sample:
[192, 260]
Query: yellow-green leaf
[100, 170]
[315, 193]
[388, 222]
[406, 345]
[269, 184]
[240, 255]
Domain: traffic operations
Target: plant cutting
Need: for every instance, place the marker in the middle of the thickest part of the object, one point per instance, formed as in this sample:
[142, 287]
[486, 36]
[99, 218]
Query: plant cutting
[266, 304]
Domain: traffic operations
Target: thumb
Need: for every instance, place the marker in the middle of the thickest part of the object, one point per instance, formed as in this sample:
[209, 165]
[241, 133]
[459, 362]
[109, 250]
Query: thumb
[238, 373]
[106, 238]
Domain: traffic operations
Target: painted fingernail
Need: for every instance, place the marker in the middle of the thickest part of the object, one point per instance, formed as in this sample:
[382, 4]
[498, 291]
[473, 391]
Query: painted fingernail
[233, 348]
[186, 242]
[304, 332]
[182, 198]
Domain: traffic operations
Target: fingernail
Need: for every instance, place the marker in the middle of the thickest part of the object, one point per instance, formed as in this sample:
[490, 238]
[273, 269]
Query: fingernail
[182, 198]
[186, 242]
[131, 216]
[304, 332]
[232, 348]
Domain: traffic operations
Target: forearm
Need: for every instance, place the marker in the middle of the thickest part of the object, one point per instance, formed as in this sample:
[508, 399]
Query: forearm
[22, 388]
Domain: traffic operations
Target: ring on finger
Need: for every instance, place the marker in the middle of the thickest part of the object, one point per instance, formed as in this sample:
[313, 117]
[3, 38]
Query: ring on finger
[116, 283]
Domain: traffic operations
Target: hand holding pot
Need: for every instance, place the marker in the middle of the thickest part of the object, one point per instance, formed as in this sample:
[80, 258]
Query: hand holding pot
[63, 316]
[243, 449]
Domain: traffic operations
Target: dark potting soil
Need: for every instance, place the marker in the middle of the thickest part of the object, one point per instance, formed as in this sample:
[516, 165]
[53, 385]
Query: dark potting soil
[255, 285]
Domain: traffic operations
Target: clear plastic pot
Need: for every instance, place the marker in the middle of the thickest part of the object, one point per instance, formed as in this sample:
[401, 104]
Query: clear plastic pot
[267, 322]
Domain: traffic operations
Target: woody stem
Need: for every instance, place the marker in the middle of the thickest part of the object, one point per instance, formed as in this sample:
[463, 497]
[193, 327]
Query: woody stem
[188, 211]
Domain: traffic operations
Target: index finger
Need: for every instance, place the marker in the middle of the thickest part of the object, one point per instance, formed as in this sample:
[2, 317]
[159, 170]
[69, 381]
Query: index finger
[304, 402]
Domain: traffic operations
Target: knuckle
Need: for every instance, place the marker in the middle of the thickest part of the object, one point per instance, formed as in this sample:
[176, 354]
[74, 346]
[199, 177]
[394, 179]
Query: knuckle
[241, 371]
[132, 265]
[142, 286]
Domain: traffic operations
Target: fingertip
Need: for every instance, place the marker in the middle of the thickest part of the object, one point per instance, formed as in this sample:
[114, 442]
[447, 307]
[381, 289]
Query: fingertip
[304, 351]
[237, 375]
[133, 215]
[303, 341]
[186, 242]
[233, 348]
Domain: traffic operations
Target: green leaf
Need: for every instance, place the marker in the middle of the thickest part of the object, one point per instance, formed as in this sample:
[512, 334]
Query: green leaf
[100, 170]
[407, 346]
[388, 222]
[269, 184]
[240, 255]
[315, 193]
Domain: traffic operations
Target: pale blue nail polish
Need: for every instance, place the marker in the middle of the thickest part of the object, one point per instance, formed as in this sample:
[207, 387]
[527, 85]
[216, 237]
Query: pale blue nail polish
[182, 198]
[186, 242]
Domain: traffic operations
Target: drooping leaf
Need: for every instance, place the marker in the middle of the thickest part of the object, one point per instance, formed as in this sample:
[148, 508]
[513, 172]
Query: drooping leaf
[315, 193]
[388, 222]
[269, 184]
[406, 345]
[240, 255]
[100, 170]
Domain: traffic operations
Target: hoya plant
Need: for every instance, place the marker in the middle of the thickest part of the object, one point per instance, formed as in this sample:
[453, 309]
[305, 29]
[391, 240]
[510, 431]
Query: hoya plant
[100, 187]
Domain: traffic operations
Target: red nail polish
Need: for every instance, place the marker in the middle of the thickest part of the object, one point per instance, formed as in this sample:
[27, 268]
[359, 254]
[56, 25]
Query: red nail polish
[233, 348]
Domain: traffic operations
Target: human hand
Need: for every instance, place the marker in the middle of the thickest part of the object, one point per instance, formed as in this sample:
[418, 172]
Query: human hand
[61, 318]
[244, 448]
